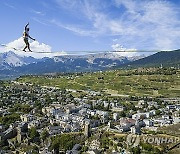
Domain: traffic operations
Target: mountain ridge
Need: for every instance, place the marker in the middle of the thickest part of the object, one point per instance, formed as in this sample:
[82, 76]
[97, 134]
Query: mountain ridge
[81, 63]
[66, 63]
[165, 58]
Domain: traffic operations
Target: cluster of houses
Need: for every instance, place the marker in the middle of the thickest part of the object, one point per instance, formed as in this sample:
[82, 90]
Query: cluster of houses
[64, 114]
[170, 115]
[72, 118]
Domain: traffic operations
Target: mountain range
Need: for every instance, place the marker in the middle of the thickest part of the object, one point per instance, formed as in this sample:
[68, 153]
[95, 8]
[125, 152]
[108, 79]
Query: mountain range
[13, 65]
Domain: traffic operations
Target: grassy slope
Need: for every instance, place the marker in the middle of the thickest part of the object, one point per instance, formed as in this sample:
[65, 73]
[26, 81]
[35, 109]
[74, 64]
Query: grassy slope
[167, 85]
[171, 58]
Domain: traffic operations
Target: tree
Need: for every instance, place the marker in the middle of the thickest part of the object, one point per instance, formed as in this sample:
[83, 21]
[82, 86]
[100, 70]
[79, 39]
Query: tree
[158, 112]
[8, 119]
[63, 142]
[44, 135]
[55, 145]
[84, 149]
[105, 142]
[122, 114]
[33, 133]
[136, 150]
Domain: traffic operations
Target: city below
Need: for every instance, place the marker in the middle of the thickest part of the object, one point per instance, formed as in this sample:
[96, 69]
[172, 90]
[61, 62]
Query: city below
[49, 119]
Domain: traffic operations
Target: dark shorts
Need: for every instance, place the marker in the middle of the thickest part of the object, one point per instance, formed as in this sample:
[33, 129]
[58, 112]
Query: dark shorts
[26, 41]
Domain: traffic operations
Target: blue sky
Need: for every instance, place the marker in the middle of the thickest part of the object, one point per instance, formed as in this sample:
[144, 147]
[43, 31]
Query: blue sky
[73, 25]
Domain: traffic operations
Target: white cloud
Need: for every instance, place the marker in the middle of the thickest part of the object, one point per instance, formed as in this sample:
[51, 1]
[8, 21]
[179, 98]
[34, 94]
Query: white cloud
[86, 11]
[124, 51]
[150, 25]
[74, 28]
[115, 40]
[35, 46]
[145, 25]
[10, 6]
[118, 47]
[40, 21]
[38, 12]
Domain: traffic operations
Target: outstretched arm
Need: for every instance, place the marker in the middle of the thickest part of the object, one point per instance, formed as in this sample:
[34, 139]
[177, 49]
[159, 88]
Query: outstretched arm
[31, 38]
[26, 25]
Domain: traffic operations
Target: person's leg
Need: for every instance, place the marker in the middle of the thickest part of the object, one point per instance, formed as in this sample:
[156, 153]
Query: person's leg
[25, 48]
[28, 46]
[26, 42]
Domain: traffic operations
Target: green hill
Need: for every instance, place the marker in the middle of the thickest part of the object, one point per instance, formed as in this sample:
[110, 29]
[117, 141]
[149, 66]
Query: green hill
[165, 58]
[136, 82]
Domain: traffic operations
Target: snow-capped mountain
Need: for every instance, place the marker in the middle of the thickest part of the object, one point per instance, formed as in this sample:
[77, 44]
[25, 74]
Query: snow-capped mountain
[10, 59]
[90, 58]
[15, 65]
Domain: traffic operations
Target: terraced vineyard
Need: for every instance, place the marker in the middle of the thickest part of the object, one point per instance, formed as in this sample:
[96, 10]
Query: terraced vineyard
[155, 82]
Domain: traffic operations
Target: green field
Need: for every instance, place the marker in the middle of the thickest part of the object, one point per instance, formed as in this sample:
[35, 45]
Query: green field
[116, 82]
